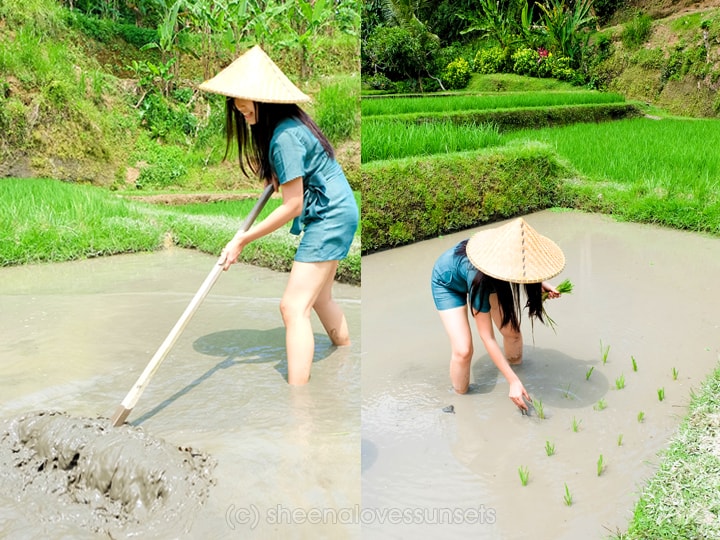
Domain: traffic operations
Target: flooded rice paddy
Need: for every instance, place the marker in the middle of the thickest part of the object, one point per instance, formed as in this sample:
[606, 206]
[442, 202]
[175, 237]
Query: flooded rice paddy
[646, 293]
[245, 455]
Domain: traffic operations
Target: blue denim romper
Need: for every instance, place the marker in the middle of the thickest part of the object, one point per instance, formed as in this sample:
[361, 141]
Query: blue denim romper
[329, 217]
[452, 277]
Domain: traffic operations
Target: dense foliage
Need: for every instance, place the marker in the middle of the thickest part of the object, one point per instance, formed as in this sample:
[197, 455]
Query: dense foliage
[106, 90]
[486, 34]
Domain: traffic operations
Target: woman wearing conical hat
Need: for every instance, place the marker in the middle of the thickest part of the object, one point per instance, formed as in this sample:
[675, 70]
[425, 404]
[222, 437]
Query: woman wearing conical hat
[486, 271]
[280, 143]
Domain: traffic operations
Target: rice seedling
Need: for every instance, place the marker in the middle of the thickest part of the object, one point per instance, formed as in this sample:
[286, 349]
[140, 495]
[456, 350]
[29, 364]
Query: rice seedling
[674, 374]
[641, 417]
[549, 448]
[568, 496]
[567, 394]
[620, 439]
[539, 409]
[661, 393]
[576, 424]
[634, 363]
[564, 287]
[604, 352]
[524, 473]
[588, 373]
[620, 382]
[600, 465]
[600, 405]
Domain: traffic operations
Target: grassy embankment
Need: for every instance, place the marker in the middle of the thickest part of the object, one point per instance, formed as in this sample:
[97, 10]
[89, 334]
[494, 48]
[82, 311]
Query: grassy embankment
[72, 108]
[48, 221]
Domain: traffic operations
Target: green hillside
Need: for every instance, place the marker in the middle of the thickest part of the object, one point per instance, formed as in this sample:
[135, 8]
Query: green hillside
[109, 96]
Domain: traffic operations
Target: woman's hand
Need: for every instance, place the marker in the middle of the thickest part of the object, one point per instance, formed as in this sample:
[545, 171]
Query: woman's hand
[550, 290]
[517, 393]
[232, 251]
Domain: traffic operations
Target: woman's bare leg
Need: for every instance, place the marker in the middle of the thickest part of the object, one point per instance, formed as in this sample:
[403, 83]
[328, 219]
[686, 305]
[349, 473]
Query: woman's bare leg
[512, 339]
[330, 314]
[303, 288]
[457, 327]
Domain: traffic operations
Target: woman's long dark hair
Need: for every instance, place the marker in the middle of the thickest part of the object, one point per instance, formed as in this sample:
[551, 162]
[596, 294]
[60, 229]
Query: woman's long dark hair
[254, 144]
[508, 295]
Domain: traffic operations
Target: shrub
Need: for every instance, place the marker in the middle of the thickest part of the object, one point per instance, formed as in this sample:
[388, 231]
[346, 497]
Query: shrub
[378, 81]
[525, 62]
[545, 64]
[398, 53]
[636, 31]
[167, 121]
[492, 60]
[165, 166]
[561, 69]
[136, 35]
[457, 74]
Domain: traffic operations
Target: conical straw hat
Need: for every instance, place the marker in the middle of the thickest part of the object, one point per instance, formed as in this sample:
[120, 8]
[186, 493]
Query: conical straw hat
[515, 252]
[256, 77]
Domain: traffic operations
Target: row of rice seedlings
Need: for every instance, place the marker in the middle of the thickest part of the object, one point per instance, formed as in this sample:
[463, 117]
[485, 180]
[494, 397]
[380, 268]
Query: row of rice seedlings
[396, 139]
[442, 104]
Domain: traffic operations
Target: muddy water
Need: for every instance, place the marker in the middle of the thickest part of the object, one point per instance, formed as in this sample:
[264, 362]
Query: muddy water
[646, 292]
[75, 337]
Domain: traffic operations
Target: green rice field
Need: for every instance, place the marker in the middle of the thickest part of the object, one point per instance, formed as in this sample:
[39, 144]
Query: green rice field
[395, 139]
[671, 157]
[43, 220]
[444, 104]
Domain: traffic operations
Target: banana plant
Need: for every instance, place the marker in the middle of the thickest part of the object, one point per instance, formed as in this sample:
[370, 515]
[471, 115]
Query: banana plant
[565, 27]
[305, 21]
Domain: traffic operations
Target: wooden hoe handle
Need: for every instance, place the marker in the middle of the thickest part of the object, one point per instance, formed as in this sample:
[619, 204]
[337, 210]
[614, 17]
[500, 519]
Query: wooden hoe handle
[138, 388]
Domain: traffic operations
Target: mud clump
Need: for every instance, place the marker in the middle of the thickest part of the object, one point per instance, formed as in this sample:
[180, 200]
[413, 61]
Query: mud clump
[117, 481]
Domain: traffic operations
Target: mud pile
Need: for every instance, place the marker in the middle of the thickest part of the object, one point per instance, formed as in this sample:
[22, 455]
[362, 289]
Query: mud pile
[85, 474]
